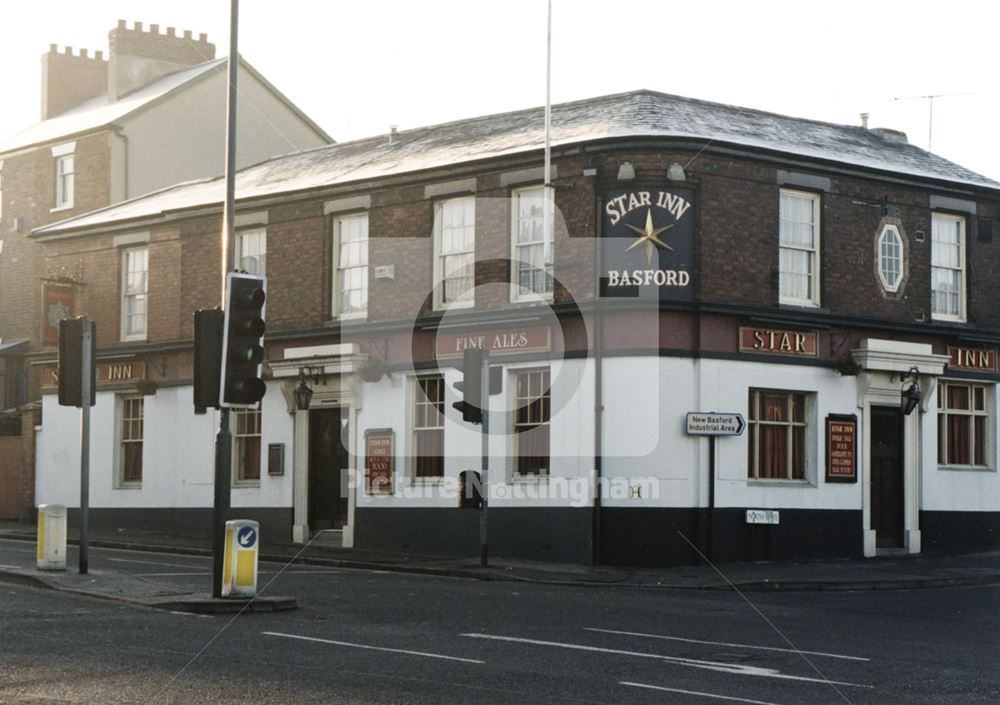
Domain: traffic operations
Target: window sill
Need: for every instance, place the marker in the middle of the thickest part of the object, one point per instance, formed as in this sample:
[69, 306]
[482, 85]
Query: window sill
[246, 484]
[57, 209]
[439, 307]
[795, 303]
[417, 481]
[778, 482]
[129, 486]
[540, 479]
[531, 299]
[940, 318]
[966, 468]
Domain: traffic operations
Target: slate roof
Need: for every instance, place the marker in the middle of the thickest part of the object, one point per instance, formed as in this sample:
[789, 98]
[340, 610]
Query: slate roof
[637, 114]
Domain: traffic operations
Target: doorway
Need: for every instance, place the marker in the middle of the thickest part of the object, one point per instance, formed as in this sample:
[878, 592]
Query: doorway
[329, 461]
[886, 477]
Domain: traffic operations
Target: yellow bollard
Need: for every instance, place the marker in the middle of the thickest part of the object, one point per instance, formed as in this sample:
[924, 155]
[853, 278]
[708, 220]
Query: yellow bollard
[239, 563]
[51, 537]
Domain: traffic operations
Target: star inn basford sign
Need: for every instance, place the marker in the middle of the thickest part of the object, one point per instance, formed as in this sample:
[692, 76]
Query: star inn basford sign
[779, 342]
[107, 373]
[648, 243]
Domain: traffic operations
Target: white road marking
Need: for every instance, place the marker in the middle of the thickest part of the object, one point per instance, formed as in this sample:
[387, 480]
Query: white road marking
[697, 692]
[724, 643]
[374, 648]
[159, 563]
[261, 572]
[733, 668]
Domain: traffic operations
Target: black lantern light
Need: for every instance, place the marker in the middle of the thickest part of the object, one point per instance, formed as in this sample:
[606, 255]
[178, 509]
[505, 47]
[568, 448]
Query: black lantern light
[910, 395]
[303, 393]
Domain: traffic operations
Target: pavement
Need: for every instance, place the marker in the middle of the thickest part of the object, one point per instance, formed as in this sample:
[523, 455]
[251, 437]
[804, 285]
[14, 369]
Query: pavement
[898, 572]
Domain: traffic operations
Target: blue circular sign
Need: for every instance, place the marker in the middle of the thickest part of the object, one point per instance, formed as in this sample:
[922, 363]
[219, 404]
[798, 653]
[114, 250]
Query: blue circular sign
[246, 537]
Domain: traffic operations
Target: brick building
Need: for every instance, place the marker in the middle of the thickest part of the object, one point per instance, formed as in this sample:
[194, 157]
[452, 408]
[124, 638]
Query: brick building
[825, 287]
[150, 115]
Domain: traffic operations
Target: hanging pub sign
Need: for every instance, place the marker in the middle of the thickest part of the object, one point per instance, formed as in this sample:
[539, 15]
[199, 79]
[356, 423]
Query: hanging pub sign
[841, 448]
[57, 305]
[647, 244]
[379, 460]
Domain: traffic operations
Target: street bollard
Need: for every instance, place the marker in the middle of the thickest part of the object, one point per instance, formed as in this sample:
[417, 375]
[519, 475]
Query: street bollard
[239, 565]
[51, 537]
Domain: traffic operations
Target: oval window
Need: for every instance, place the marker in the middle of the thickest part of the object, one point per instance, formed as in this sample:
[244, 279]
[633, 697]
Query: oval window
[890, 258]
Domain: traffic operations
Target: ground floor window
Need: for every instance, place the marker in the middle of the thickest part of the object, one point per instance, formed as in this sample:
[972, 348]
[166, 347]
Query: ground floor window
[246, 445]
[130, 445]
[532, 407]
[963, 424]
[777, 430]
[428, 427]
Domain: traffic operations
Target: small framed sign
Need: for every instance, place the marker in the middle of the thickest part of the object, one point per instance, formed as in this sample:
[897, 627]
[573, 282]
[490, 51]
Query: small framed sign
[380, 460]
[275, 458]
[841, 448]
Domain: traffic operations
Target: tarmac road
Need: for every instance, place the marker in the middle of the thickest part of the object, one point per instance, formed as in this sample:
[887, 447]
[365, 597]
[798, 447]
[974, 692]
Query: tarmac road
[370, 637]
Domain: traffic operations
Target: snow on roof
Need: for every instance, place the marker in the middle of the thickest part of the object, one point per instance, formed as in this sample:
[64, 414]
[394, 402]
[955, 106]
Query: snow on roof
[99, 111]
[637, 114]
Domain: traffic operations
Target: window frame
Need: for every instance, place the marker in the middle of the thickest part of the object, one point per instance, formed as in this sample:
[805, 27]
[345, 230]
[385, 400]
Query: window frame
[124, 335]
[815, 252]
[961, 269]
[244, 234]
[517, 294]
[239, 470]
[65, 181]
[517, 474]
[420, 398]
[754, 423]
[987, 412]
[440, 304]
[336, 292]
[123, 407]
[891, 287]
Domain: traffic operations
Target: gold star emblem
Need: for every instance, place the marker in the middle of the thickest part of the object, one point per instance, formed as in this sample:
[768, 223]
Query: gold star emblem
[650, 236]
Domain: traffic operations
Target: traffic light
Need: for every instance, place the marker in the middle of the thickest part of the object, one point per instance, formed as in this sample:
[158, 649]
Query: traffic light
[471, 386]
[243, 330]
[71, 361]
[208, 324]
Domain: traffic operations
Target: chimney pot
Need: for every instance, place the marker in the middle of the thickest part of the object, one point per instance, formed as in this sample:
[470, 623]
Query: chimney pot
[864, 120]
[154, 29]
[53, 49]
[187, 33]
[202, 37]
[68, 50]
[138, 26]
[171, 31]
[83, 53]
[99, 55]
[121, 24]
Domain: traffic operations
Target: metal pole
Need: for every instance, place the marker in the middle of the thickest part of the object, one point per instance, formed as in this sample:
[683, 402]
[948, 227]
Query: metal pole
[485, 386]
[711, 494]
[223, 441]
[85, 394]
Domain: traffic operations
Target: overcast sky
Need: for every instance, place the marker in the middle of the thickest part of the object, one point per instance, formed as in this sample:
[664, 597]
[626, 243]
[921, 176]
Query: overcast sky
[357, 67]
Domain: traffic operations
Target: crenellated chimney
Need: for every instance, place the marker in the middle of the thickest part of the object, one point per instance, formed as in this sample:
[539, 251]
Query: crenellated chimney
[140, 57]
[69, 79]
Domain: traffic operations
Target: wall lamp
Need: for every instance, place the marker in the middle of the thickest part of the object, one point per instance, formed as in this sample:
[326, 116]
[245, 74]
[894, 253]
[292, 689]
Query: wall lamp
[910, 394]
[303, 392]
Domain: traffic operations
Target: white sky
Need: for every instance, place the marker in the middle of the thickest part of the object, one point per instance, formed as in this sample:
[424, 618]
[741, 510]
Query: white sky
[357, 67]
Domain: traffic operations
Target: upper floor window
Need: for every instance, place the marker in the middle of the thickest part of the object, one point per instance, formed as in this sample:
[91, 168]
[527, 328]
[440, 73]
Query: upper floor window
[135, 290]
[251, 251]
[963, 424]
[532, 411]
[798, 253]
[777, 435]
[428, 427]
[532, 247]
[948, 267]
[65, 170]
[130, 438]
[246, 446]
[454, 251]
[890, 258]
[350, 266]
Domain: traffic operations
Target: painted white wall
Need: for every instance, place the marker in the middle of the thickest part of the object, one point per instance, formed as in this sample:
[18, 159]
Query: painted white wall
[184, 136]
[951, 489]
[178, 454]
[389, 403]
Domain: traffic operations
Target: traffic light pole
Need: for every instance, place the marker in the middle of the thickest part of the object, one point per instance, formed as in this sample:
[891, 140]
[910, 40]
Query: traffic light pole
[485, 435]
[223, 441]
[86, 393]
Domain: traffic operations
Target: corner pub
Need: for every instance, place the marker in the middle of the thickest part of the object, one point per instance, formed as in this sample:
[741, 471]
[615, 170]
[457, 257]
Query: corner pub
[830, 287]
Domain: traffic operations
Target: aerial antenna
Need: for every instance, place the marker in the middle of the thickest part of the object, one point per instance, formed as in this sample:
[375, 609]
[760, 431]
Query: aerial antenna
[930, 109]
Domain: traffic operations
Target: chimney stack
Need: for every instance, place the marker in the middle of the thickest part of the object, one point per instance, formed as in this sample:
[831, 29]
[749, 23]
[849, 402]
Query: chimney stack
[68, 79]
[864, 121]
[139, 57]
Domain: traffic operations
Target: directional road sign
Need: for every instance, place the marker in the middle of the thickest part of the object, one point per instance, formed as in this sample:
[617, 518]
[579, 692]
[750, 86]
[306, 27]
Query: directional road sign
[715, 424]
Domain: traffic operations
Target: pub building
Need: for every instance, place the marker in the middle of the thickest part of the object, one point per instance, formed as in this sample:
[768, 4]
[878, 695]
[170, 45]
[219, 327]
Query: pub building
[762, 336]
